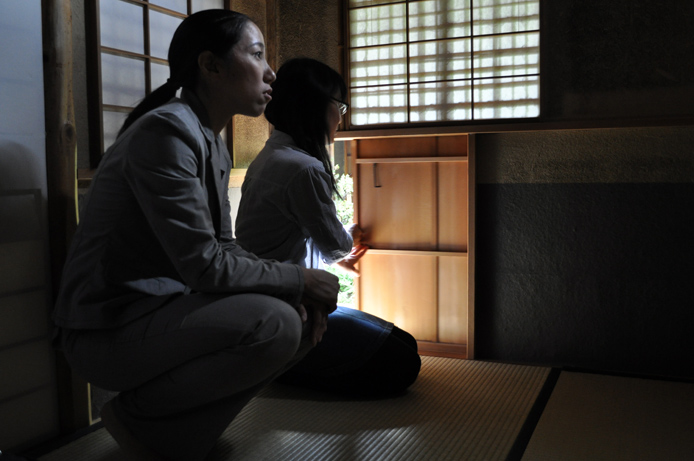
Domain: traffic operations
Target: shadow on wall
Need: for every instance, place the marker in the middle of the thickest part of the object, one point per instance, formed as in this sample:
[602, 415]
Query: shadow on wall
[28, 381]
[21, 216]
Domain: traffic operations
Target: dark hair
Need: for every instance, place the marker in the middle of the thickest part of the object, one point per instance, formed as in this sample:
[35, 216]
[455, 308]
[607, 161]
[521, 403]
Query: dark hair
[300, 97]
[209, 30]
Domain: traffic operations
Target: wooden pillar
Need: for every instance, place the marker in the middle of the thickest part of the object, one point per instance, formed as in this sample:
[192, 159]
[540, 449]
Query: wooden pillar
[61, 171]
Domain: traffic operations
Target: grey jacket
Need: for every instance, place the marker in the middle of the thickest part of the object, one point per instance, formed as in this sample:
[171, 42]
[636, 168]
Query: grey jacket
[156, 223]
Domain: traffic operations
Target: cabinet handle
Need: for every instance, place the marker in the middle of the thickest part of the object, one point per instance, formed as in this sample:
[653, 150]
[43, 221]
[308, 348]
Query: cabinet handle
[377, 180]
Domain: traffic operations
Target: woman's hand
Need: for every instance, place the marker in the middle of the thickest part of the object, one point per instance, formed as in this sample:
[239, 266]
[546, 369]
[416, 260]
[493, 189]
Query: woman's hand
[320, 288]
[320, 299]
[356, 233]
[319, 321]
[352, 258]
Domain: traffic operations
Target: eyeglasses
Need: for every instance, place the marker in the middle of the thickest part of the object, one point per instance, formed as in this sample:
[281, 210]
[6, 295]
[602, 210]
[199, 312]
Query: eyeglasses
[341, 106]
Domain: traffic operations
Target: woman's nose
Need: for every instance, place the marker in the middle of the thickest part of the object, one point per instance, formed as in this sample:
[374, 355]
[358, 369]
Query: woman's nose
[269, 75]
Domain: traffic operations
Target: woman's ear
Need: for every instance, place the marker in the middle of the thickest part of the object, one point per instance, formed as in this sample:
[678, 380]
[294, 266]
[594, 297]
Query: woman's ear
[207, 62]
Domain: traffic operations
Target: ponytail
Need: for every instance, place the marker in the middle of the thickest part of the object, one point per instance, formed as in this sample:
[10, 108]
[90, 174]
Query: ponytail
[156, 98]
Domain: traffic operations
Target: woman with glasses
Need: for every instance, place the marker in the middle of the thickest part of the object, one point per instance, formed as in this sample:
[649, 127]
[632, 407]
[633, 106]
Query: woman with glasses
[287, 213]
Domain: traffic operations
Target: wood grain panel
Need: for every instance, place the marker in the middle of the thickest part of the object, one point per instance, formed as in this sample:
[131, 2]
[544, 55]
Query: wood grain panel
[397, 205]
[397, 147]
[453, 206]
[452, 146]
[453, 300]
[401, 289]
[415, 217]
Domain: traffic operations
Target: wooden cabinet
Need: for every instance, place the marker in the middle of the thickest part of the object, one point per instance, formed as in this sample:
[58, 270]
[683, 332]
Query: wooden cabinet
[412, 200]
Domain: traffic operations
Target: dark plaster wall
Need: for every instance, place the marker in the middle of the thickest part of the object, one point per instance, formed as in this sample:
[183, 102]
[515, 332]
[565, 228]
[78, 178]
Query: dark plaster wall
[584, 237]
[309, 28]
[585, 250]
[618, 58]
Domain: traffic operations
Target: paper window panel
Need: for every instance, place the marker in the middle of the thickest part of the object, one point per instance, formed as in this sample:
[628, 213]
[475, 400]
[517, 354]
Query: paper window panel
[379, 25]
[505, 16]
[199, 5]
[159, 74]
[452, 47]
[122, 81]
[113, 121]
[385, 65]
[507, 55]
[376, 105]
[121, 26]
[180, 6]
[439, 19]
[161, 29]
[441, 60]
[514, 97]
[442, 101]
[361, 3]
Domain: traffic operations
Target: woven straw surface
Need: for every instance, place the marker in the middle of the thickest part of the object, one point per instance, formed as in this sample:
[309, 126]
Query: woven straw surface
[596, 417]
[457, 410]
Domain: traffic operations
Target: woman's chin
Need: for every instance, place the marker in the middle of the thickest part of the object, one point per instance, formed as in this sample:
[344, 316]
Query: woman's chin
[255, 111]
[251, 109]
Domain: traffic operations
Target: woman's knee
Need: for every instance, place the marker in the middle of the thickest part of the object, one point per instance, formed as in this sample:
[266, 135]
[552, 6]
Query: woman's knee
[255, 336]
[282, 329]
[274, 327]
[247, 318]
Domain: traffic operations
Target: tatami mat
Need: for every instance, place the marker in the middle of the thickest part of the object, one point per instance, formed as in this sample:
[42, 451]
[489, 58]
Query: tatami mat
[597, 417]
[457, 410]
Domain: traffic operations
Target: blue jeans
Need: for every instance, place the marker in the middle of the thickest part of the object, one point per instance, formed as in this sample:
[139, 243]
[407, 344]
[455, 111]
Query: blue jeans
[360, 355]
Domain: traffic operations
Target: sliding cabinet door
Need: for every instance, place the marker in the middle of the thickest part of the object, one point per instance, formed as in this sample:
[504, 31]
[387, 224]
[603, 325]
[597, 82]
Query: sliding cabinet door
[411, 200]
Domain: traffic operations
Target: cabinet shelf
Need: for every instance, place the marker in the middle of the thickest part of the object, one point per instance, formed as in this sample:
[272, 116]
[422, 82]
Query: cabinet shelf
[411, 160]
[379, 251]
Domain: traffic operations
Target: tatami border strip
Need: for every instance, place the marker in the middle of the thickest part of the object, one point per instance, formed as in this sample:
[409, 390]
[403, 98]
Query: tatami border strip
[526, 432]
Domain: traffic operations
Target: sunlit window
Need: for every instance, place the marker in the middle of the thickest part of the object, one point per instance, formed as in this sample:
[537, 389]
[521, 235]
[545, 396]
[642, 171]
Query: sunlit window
[443, 60]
